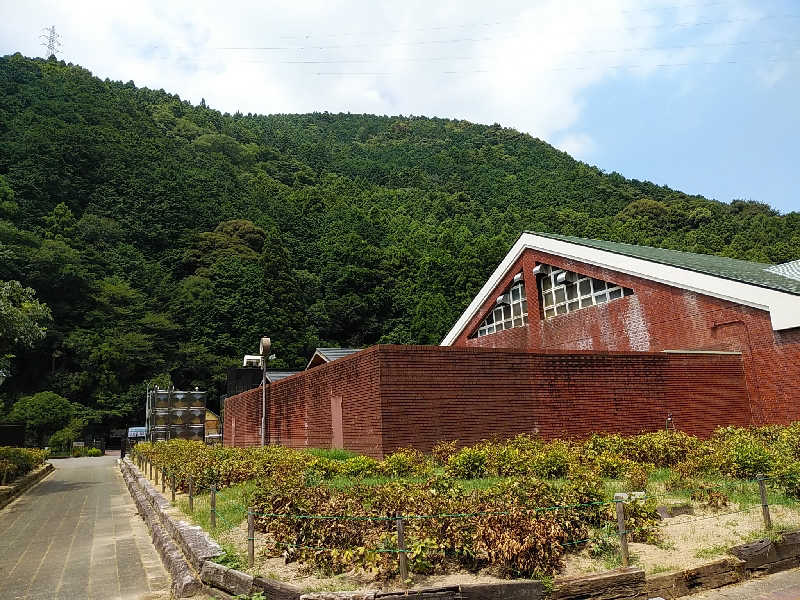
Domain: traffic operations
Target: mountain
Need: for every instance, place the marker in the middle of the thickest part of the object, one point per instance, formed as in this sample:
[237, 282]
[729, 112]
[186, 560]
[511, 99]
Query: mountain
[166, 238]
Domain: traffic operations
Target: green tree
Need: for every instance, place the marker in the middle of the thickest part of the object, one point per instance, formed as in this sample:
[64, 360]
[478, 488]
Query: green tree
[42, 414]
[22, 320]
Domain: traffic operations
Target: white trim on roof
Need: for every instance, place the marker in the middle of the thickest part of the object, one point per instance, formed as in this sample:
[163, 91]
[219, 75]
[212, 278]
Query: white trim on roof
[783, 307]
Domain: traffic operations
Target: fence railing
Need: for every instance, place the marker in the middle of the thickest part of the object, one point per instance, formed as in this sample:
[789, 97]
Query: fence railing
[620, 500]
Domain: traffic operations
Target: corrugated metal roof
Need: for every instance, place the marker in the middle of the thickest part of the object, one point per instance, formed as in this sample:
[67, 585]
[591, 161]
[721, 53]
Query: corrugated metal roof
[330, 354]
[274, 376]
[760, 274]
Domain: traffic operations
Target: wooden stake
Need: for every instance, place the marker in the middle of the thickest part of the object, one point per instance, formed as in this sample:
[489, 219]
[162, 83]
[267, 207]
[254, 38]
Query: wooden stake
[401, 546]
[191, 495]
[623, 535]
[764, 506]
[172, 485]
[213, 507]
[163, 480]
[251, 536]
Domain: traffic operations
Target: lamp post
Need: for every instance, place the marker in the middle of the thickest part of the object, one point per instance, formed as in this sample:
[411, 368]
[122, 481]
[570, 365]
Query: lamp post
[263, 349]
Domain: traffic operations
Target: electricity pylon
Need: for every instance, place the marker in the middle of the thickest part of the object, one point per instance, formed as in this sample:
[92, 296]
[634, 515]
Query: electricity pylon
[50, 41]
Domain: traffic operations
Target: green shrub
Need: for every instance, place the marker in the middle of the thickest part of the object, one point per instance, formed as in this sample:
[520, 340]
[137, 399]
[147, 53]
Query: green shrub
[467, 463]
[94, 452]
[15, 462]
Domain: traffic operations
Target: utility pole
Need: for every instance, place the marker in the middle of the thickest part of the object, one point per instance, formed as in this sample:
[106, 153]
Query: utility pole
[50, 40]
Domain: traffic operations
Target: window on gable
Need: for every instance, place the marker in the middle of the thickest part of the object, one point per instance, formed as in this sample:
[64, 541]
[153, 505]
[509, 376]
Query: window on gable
[512, 312]
[562, 292]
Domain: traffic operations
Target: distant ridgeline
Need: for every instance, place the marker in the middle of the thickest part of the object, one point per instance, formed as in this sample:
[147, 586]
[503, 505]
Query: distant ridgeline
[167, 238]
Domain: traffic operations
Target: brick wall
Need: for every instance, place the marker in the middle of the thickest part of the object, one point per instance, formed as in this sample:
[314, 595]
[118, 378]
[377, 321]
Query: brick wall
[660, 317]
[242, 419]
[397, 396]
[430, 394]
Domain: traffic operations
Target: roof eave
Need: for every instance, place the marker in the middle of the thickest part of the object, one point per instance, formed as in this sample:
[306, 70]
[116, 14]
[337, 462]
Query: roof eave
[782, 306]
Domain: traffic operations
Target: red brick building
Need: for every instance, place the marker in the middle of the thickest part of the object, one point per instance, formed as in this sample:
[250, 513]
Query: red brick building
[579, 294]
[568, 336]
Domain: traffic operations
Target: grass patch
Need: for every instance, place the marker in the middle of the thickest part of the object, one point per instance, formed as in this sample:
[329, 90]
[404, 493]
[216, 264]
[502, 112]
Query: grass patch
[332, 453]
[712, 551]
[232, 505]
[656, 569]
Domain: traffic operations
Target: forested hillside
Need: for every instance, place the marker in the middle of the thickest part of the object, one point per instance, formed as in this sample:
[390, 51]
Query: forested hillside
[165, 238]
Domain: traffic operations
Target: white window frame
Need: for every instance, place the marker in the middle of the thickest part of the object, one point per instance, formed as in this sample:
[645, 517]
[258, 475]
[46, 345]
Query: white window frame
[576, 293]
[507, 315]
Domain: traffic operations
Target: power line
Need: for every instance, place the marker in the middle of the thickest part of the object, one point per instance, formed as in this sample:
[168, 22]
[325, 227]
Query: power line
[50, 40]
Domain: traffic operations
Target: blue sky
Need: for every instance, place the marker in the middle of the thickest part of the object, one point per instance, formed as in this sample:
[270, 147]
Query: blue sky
[700, 95]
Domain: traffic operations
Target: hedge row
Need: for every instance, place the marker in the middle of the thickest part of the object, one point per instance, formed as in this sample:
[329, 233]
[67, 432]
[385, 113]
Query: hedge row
[15, 462]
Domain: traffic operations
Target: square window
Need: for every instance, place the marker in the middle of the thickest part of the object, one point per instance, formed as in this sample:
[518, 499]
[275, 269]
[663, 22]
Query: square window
[585, 286]
[548, 299]
[615, 293]
[586, 302]
[506, 312]
[522, 292]
[516, 309]
[600, 298]
[560, 295]
[572, 291]
[547, 283]
[525, 320]
[518, 322]
[515, 294]
[550, 312]
[525, 307]
[598, 285]
[628, 291]
[572, 306]
[561, 309]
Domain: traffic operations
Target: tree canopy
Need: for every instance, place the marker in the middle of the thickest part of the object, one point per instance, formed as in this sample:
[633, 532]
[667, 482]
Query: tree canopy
[166, 238]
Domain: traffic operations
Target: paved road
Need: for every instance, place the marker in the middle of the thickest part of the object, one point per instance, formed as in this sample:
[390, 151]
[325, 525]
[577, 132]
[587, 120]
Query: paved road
[76, 535]
[780, 586]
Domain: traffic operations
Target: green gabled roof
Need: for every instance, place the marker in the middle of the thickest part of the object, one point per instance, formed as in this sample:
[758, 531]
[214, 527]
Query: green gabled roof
[719, 266]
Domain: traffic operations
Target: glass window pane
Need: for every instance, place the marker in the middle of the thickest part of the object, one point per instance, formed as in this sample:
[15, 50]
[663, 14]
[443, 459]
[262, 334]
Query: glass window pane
[524, 307]
[572, 291]
[490, 318]
[546, 283]
[560, 295]
[598, 285]
[586, 302]
[506, 312]
[617, 293]
[517, 309]
[550, 312]
[599, 298]
[522, 291]
[572, 306]
[515, 293]
[585, 287]
[525, 319]
[562, 309]
[518, 322]
[548, 299]
[628, 291]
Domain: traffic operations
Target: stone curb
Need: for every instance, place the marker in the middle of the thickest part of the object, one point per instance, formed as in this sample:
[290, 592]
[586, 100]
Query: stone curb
[24, 483]
[184, 582]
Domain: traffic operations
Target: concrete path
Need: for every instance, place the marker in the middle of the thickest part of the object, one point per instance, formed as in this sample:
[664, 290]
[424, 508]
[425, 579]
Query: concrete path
[780, 586]
[75, 535]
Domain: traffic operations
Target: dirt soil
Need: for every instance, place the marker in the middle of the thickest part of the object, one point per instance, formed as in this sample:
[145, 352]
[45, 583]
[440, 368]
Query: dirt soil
[692, 540]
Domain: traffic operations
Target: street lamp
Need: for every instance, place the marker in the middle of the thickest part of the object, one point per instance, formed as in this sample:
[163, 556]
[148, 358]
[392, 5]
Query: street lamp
[263, 349]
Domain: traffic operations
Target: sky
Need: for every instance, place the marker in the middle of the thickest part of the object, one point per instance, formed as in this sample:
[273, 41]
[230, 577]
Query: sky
[699, 95]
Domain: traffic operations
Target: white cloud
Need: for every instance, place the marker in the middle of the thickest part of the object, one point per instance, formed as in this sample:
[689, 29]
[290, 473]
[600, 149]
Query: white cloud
[578, 145]
[525, 65]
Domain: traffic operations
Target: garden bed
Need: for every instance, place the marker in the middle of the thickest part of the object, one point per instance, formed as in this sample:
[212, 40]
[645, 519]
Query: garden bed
[521, 508]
